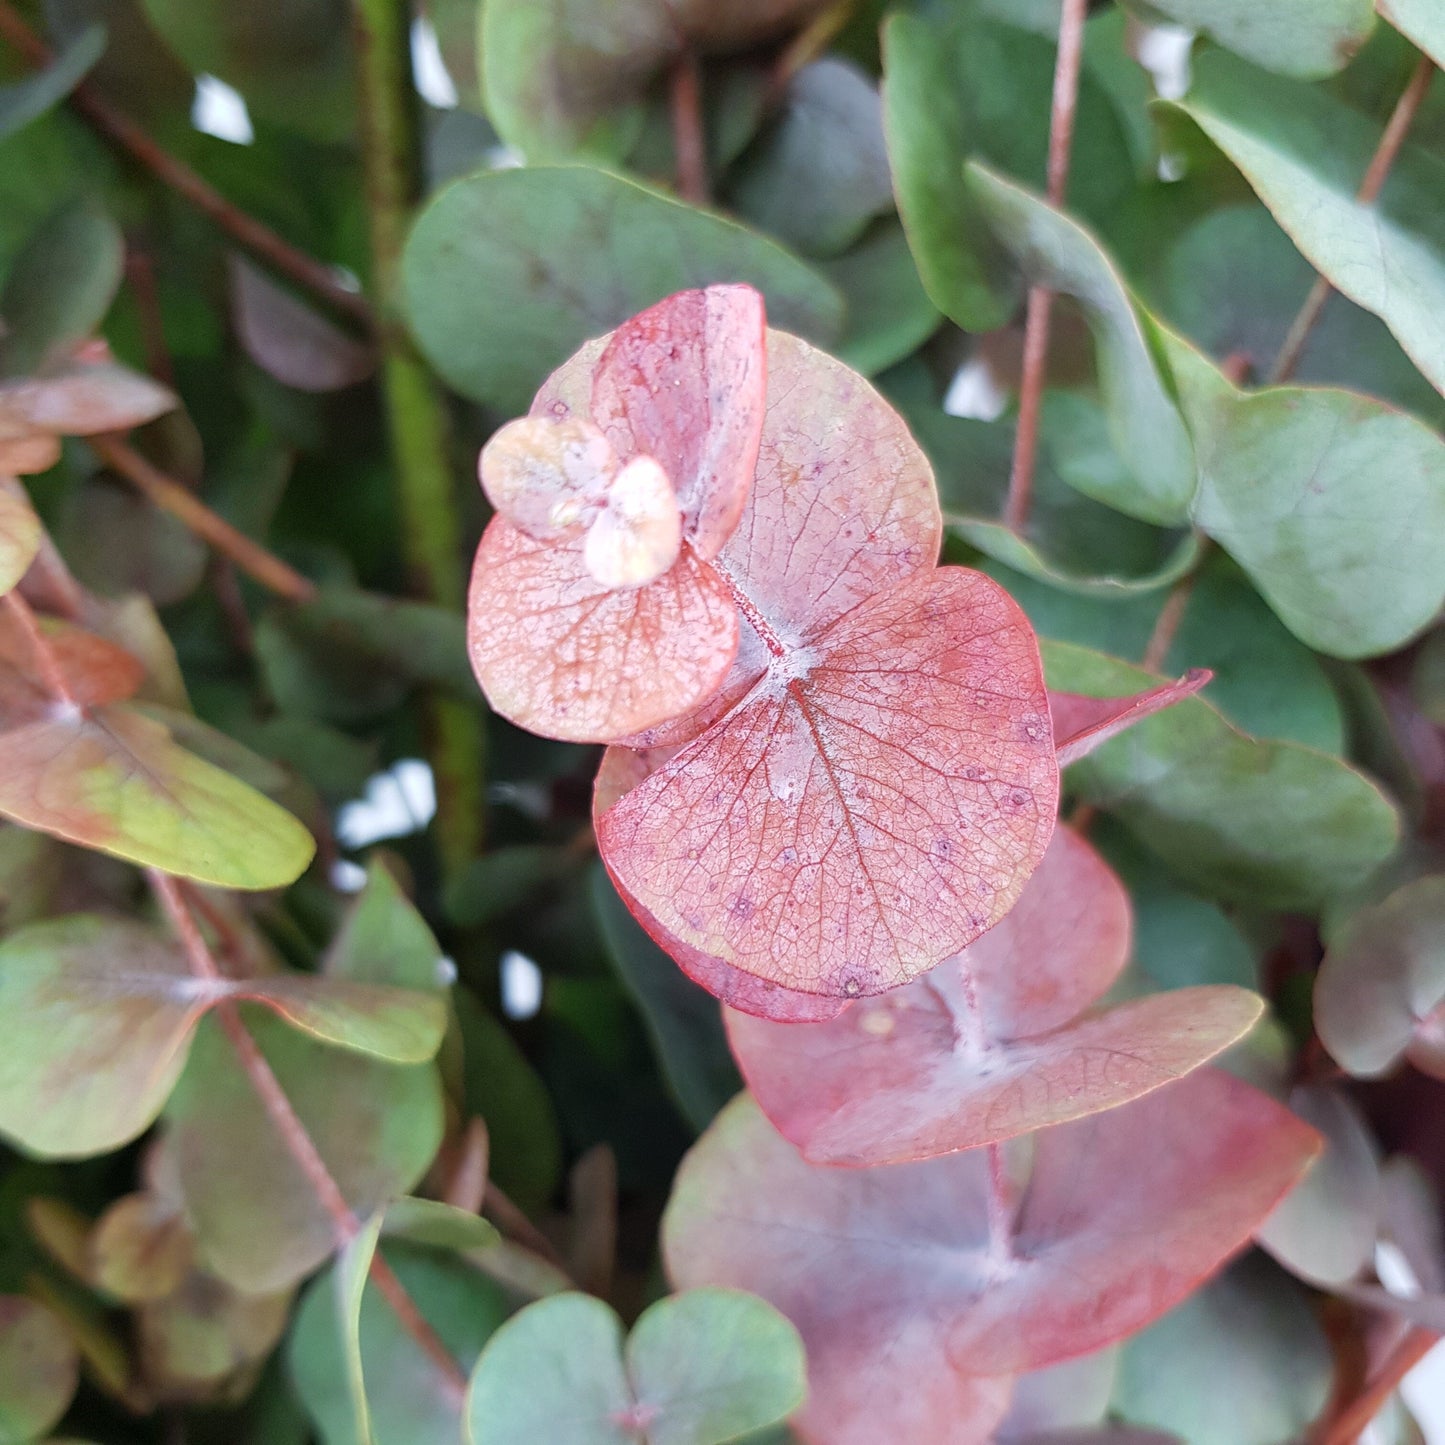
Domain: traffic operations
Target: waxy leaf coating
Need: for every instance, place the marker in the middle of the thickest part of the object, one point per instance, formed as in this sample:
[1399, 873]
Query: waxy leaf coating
[990, 1044]
[901, 1297]
[564, 640]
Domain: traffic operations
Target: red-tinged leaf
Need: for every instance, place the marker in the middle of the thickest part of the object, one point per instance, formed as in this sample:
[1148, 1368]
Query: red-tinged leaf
[19, 531]
[685, 382]
[290, 341]
[94, 671]
[622, 769]
[1082, 724]
[873, 806]
[890, 1274]
[111, 778]
[81, 400]
[989, 1045]
[561, 654]
[28, 453]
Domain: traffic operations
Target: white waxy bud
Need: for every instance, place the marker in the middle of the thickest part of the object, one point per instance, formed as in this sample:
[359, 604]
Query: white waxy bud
[639, 534]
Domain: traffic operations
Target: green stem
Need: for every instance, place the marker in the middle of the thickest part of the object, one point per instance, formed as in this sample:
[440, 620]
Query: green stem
[415, 407]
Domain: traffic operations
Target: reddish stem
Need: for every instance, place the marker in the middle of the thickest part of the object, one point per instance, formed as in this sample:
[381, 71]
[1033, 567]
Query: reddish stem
[299, 1144]
[1378, 171]
[45, 657]
[1348, 1425]
[689, 141]
[1000, 1207]
[170, 496]
[256, 237]
[1041, 299]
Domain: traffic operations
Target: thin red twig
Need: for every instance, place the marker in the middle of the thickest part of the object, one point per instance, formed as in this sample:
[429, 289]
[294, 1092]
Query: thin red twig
[1347, 1427]
[170, 496]
[255, 236]
[1041, 299]
[689, 140]
[1398, 127]
[299, 1143]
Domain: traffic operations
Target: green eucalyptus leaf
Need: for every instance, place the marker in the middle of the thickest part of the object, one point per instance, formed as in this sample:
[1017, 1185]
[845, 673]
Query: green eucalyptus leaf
[1427, 678]
[290, 59]
[889, 313]
[1334, 504]
[113, 779]
[385, 940]
[1251, 1330]
[1306, 153]
[1249, 821]
[1382, 981]
[1325, 1228]
[1144, 423]
[59, 287]
[377, 1126]
[1306, 38]
[819, 173]
[699, 1368]
[39, 1369]
[96, 1017]
[22, 101]
[19, 534]
[1421, 21]
[1069, 540]
[1265, 680]
[506, 273]
[958, 86]
[362, 1378]
[683, 1020]
[349, 655]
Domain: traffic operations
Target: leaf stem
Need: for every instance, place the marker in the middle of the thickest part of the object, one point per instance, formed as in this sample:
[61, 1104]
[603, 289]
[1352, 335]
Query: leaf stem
[298, 1142]
[1348, 1425]
[170, 496]
[44, 654]
[416, 409]
[689, 140]
[808, 45]
[1378, 171]
[1041, 298]
[1000, 1208]
[253, 235]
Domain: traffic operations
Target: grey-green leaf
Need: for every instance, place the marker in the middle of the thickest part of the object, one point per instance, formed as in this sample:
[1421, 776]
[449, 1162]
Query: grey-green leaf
[22, 101]
[506, 273]
[1305, 153]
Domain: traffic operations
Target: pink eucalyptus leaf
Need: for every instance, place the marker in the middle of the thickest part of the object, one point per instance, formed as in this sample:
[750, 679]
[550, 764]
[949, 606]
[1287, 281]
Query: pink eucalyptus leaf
[685, 383]
[1082, 724]
[82, 400]
[545, 476]
[876, 803]
[561, 654]
[891, 1276]
[92, 670]
[989, 1045]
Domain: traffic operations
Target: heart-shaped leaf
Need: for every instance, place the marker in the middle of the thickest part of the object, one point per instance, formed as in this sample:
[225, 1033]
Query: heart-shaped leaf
[558, 648]
[1305, 153]
[506, 273]
[994, 1043]
[111, 778]
[1267, 822]
[699, 1368]
[39, 1369]
[1381, 985]
[900, 1295]
[883, 723]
